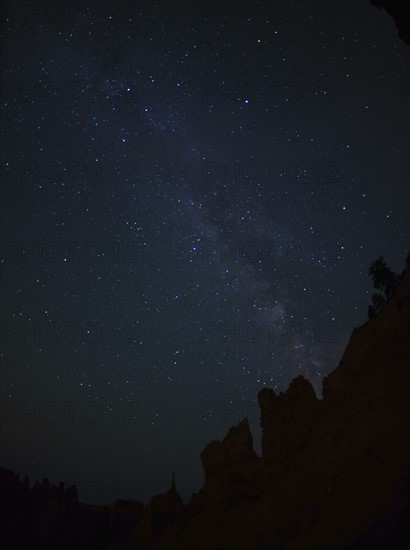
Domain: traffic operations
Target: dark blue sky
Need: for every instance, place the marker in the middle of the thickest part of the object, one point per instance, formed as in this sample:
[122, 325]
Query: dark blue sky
[192, 194]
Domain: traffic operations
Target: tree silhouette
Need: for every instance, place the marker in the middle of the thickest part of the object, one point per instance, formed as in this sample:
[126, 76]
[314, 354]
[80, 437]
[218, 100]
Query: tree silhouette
[385, 280]
[378, 303]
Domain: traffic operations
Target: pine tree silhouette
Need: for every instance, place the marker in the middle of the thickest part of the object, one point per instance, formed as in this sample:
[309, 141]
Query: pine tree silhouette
[385, 280]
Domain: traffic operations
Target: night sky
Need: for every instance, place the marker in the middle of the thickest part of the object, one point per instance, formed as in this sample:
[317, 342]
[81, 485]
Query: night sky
[192, 194]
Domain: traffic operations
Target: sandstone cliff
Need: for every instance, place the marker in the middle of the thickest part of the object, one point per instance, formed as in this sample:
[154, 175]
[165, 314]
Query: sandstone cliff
[334, 473]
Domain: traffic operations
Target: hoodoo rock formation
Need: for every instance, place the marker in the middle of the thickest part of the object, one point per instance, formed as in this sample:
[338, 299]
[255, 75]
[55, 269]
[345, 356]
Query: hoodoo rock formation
[334, 472]
[165, 514]
[235, 449]
[287, 419]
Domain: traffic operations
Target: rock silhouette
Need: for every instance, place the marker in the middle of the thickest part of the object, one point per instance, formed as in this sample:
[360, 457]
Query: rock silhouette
[47, 516]
[398, 9]
[164, 514]
[287, 419]
[334, 472]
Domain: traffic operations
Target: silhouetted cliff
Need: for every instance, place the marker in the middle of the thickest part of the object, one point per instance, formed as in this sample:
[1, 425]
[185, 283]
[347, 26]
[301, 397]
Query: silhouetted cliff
[334, 472]
[47, 517]
[400, 12]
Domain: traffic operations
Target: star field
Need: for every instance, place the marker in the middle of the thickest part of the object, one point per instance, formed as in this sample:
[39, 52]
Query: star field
[192, 194]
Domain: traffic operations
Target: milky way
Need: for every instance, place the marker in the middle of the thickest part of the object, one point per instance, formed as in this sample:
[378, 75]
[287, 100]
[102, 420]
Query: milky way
[191, 199]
